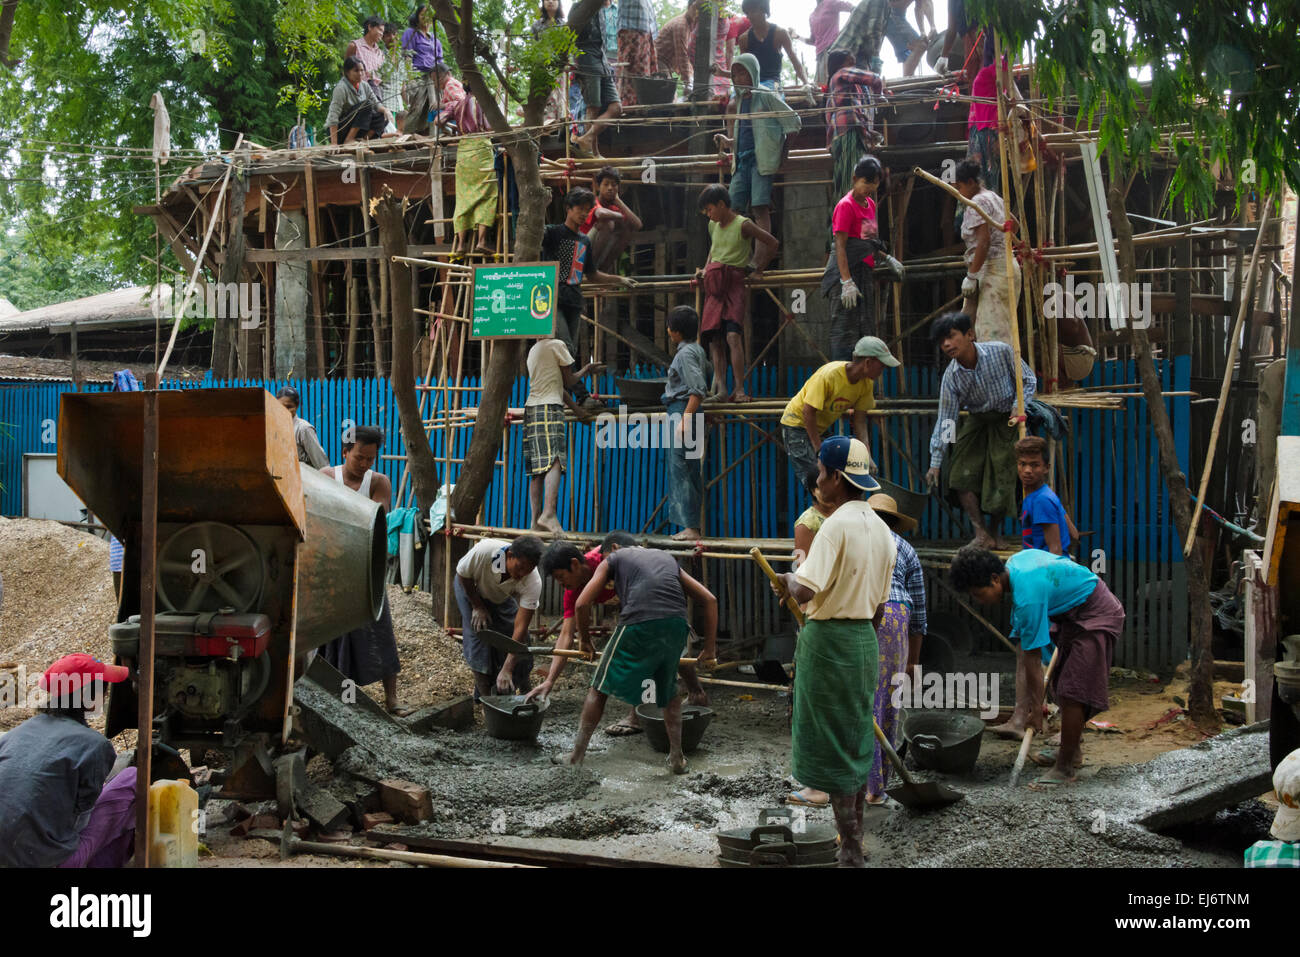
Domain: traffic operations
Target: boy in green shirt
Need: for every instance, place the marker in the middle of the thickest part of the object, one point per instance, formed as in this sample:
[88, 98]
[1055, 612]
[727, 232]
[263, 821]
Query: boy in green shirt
[723, 277]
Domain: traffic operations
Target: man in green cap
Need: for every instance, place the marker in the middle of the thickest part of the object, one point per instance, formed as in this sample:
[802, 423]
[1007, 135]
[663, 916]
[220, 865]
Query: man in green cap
[830, 392]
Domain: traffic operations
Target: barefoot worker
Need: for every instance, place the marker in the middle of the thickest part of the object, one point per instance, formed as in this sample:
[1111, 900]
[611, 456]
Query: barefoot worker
[979, 380]
[845, 579]
[573, 569]
[639, 664]
[551, 377]
[1044, 525]
[369, 653]
[830, 392]
[1046, 588]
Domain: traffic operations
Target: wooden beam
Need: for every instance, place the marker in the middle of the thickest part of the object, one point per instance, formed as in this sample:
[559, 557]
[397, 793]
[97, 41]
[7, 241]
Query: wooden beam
[338, 253]
[317, 292]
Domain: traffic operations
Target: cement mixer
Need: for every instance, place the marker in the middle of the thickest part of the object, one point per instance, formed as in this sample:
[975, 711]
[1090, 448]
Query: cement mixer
[258, 562]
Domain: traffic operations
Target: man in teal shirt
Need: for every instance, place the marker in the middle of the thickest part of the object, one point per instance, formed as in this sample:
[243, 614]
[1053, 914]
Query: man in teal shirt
[1046, 588]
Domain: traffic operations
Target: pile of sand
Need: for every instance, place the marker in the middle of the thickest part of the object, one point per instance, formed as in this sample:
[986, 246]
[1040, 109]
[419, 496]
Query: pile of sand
[58, 599]
[432, 666]
[58, 593]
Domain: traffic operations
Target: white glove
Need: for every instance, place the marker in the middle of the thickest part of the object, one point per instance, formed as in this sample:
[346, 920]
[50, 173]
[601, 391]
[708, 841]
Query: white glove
[849, 293]
[894, 266]
[809, 92]
[478, 617]
[970, 286]
[941, 65]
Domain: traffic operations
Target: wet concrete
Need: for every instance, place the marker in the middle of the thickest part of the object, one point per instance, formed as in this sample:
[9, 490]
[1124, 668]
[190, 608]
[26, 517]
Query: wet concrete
[624, 801]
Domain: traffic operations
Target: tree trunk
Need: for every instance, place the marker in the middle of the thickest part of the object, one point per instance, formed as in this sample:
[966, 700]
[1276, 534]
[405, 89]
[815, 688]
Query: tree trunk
[224, 327]
[1201, 690]
[499, 376]
[7, 11]
[389, 214]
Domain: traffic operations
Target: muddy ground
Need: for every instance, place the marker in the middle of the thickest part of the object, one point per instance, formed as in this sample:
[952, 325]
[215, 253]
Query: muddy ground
[624, 802]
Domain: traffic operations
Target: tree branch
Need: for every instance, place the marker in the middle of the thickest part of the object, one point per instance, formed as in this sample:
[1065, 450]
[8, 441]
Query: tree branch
[7, 11]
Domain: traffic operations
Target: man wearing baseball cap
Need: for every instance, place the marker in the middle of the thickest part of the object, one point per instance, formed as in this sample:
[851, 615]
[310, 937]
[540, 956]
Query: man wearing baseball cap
[1285, 850]
[830, 392]
[55, 808]
[845, 580]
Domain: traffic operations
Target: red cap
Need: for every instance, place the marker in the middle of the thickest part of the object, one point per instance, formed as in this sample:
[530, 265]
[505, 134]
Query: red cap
[80, 668]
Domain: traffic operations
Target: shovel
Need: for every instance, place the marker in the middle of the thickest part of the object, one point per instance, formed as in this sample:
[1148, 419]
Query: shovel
[494, 639]
[920, 795]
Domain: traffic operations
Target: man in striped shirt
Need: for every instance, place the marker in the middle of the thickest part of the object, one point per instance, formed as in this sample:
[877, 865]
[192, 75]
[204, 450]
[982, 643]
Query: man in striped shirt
[980, 381]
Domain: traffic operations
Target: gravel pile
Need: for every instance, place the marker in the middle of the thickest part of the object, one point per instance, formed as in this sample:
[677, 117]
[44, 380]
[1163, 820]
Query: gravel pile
[57, 599]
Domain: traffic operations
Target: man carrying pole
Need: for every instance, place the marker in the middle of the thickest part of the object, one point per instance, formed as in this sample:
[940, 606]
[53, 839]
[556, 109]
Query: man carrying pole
[1046, 589]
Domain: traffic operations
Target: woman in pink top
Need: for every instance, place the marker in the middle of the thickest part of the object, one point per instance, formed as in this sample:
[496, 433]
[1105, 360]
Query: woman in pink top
[982, 127]
[369, 49]
[824, 27]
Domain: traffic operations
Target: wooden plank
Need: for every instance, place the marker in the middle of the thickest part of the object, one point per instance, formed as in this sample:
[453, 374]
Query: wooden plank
[437, 199]
[317, 290]
[511, 853]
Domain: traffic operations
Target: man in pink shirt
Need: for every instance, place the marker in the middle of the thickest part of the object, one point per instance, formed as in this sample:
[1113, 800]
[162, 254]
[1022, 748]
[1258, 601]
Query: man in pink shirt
[824, 27]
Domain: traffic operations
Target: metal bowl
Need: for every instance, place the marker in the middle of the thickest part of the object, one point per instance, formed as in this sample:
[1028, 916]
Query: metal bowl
[642, 391]
[945, 741]
[695, 719]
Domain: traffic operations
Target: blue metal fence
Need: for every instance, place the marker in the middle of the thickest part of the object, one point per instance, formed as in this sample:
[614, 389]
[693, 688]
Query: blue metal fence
[1115, 486]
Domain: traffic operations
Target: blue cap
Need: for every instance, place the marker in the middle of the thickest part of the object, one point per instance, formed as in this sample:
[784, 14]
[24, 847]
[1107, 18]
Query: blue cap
[840, 453]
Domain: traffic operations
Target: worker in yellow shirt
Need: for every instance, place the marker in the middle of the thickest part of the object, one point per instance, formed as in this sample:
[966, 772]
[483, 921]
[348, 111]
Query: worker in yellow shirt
[830, 392]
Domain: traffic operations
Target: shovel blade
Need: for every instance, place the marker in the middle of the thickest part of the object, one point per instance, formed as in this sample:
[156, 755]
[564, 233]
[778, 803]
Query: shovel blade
[494, 639]
[924, 795]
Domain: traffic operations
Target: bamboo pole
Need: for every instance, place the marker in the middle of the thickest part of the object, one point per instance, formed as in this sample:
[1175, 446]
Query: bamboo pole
[1234, 347]
[1003, 135]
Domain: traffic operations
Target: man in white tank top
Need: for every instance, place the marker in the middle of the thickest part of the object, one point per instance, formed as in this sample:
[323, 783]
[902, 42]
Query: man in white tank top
[367, 654]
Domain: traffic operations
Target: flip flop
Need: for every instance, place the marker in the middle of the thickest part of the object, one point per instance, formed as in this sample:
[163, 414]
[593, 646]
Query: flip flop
[1048, 785]
[402, 711]
[1046, 757]
[621, 730]
[797, 799]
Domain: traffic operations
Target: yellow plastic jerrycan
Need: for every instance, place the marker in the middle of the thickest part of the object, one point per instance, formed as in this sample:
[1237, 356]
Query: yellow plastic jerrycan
[173, 824]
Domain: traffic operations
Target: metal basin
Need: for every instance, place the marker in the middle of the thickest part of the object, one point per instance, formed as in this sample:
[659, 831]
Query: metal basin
[774, 844]
[695, 719]
[655, 89]
[945, 741]
[642, 391]
[507, 717]
[910, 503]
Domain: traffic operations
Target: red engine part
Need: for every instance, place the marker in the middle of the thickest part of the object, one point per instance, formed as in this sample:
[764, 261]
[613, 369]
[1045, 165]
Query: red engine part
[212, 635]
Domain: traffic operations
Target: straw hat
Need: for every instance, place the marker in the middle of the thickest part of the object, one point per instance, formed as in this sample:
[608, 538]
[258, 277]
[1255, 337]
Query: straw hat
[885, 505]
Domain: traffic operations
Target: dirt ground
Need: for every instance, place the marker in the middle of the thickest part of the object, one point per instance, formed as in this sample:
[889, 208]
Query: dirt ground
[58, 599]
[624, 803]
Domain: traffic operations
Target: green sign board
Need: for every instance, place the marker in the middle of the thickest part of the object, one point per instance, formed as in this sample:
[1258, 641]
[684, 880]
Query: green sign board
[514, 301]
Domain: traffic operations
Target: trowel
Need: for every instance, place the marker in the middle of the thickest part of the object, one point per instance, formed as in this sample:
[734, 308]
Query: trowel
[494, 639]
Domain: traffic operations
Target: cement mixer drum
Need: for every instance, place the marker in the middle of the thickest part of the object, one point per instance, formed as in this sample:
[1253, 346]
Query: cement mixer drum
[210, 566]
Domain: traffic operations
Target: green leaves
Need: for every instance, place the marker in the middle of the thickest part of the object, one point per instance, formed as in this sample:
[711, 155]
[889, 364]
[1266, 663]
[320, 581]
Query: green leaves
[1228, 69]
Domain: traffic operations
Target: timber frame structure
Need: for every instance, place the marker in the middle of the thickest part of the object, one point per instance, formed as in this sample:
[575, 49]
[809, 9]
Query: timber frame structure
[308, 237]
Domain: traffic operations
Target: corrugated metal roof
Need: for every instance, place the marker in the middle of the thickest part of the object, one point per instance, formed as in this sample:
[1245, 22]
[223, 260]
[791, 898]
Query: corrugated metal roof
[131, 306]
